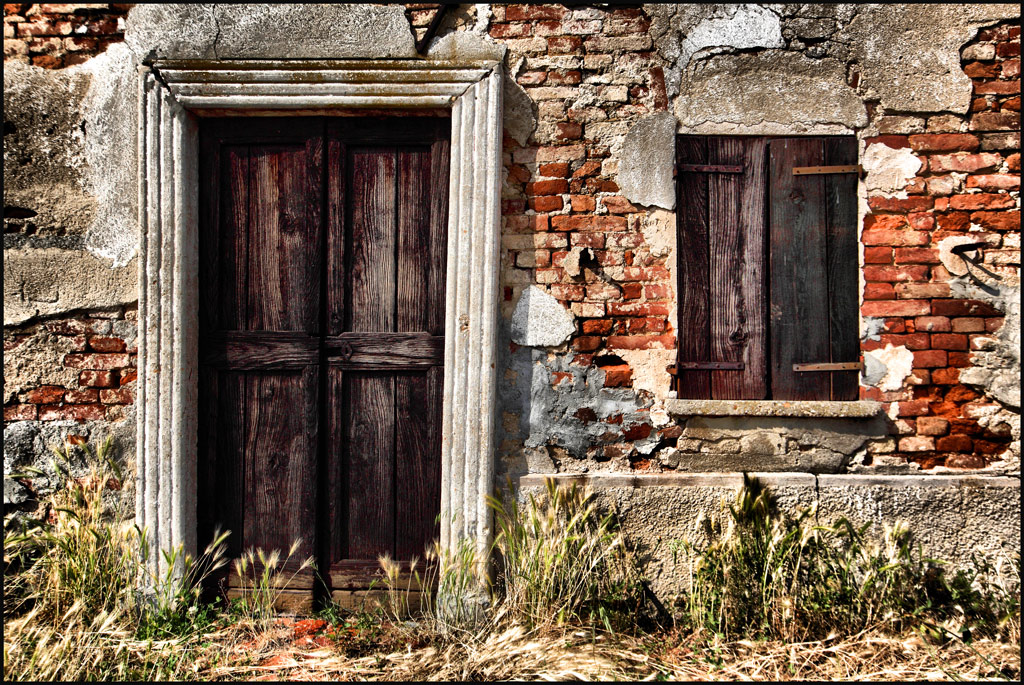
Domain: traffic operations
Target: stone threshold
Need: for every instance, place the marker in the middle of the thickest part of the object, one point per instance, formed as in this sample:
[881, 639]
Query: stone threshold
[863, 409]
[770, 479]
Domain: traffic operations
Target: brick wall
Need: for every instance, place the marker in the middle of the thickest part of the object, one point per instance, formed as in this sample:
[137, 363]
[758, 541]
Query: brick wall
[55, 35]
[969, 166]
[97, 350]
[591, 72]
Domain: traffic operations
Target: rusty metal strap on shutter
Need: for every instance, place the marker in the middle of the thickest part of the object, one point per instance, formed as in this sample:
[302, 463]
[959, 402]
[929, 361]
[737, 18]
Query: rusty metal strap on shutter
[830, 366]
[705, 366]
[811, 170]
[711, 168]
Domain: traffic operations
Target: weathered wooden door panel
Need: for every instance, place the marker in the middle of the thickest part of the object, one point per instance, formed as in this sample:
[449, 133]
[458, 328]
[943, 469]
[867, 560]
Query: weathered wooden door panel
[322, 259]
[386, 349]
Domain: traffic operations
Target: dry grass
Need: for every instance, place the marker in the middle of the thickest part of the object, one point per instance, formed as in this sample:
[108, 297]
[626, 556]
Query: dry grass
[517, 653]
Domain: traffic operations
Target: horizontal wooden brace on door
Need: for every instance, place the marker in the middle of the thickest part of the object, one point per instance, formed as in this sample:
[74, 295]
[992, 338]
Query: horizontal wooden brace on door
[706, 366]
[829, 366]
[812, 170]
[711, 168]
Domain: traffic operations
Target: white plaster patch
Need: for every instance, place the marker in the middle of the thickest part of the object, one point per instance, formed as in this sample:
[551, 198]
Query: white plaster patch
[540, 321]
[659, 229]
[955, 264]
[898, 363]
[649, 369]
[888, 170]
[741, 27]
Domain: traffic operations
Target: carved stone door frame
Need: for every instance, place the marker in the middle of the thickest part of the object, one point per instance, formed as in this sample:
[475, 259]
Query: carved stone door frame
[171, 96]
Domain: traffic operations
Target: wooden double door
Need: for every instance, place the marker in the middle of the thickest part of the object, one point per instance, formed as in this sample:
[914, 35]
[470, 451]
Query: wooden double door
[321, 280]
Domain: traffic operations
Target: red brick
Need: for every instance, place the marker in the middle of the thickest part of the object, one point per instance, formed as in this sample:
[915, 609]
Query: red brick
[930, 359]
[945, 376]
[944, 142]
[97, 379]
[569, 130]
[104, 344]
[879, 291]
[968, 325]
[119, 396]
[900, 206]
[874, 236]
[932, 324]
[994, 182]
[997, 88]
[596, 326]
[878, 255]
[922, 291]
[564, 45]
[618, 376]
[573, 293]
[96, 361]
[963, 162]
[982, 201]
[916, 255]
[883, 222]
[639, 309]
[954, 443]
[554, 169]
[586, 343]
[884, 308]
[895, 273]
[912, 341]
[997, 221]
[993, 324]
[917, 443]
[996, 121]
[527, 12]
[526, 223]
[959, 360]
[894, 141]
[949, 341]
[549, 187]
[86, 396]
[546, 203]
[632, 291]
[641, 342]
[582, 203]
[20, 412]
[913, 408]
[964, 308]
[588, 223]
[618, 205]
[46, 394]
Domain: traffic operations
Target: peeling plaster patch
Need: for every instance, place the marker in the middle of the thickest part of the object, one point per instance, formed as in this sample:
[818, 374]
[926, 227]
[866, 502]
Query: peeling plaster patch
[733, 26]
[888, 170]
[647, 162]
[768, 93]
[659, 229]
[519, 117]
[649, 372]
[886, 369]
[540, 321]
[46, 281]
[909, 54]
[955, 264]
[463, 46]
[112, 176]
[37, 361]
[996, 365]
[872, 328]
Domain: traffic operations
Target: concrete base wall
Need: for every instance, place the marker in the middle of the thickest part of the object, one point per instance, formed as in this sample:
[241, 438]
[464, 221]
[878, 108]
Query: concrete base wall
[951, 517]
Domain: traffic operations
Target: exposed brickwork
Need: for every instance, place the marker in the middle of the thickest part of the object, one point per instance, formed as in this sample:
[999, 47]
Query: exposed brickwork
[104, 365]
[58, 35]
[968, 185]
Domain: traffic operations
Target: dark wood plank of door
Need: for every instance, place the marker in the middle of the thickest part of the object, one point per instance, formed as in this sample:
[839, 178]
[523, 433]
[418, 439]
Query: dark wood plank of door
[841, 227]
[736, 206]
[799, 282]
[260, 255]
[693, 285]
[385, 351]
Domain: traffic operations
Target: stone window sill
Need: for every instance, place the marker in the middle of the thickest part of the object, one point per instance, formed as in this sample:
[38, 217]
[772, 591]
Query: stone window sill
[810, 409]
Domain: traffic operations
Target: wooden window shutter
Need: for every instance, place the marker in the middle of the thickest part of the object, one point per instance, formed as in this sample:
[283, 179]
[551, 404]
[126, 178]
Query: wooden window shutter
[813, 267]
[723, 333]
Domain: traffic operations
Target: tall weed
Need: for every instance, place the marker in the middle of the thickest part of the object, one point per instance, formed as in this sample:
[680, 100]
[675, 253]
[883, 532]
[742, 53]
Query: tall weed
[762, 574]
